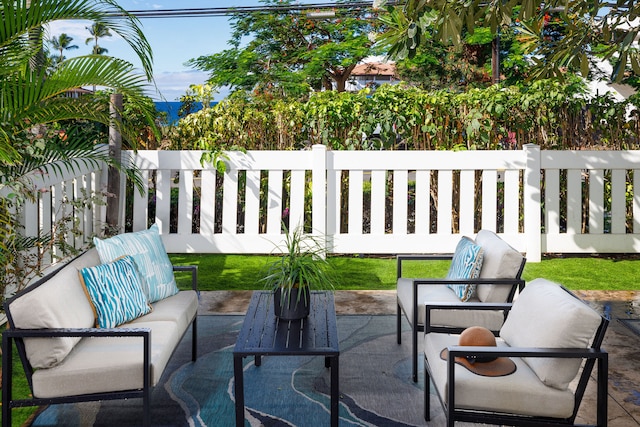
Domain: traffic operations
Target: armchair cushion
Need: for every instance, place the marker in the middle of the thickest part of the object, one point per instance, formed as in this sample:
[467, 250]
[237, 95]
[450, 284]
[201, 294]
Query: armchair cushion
[518, 393]
[466, 264]
[500, 261]
[545, 315]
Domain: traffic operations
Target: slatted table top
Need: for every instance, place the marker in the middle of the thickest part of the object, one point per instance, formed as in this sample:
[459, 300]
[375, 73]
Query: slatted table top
[264, 334]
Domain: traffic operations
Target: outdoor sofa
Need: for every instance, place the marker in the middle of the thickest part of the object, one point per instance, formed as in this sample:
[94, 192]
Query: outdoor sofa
[102, 327]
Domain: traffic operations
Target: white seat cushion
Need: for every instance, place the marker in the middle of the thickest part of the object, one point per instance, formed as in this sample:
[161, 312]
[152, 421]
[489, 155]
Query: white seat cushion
[180, 308]
[501, 261]
[519, 393]
[108, 364]
[545, 315]
[441, 293]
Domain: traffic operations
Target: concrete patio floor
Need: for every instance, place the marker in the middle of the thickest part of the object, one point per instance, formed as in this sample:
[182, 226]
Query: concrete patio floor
[620, 341]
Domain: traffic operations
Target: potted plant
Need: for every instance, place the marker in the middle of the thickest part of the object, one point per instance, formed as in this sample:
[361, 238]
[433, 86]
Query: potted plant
[301, 268]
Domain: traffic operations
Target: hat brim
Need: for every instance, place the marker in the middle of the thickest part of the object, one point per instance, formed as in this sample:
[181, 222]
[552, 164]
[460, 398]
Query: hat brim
[499, 367]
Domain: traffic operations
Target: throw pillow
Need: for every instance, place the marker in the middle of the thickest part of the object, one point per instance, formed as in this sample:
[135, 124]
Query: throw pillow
[466, 264]
[115, 290]
[149, 253]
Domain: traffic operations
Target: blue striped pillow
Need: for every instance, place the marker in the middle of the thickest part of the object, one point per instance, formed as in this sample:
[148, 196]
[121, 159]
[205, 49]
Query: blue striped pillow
[150, 256]
[466, 264]
[115, 290]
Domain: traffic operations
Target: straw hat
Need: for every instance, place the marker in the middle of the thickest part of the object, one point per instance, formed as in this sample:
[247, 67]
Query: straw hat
[486, 366]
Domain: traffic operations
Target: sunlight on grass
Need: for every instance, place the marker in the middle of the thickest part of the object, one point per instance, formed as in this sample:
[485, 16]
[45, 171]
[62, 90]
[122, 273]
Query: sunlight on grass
[243, 272]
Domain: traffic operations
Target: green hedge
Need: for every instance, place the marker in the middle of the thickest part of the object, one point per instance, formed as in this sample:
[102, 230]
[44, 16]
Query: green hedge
[546, 113]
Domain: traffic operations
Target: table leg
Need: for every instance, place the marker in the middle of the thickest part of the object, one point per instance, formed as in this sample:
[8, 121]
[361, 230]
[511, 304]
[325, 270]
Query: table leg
[238, 376]
[335, 391]
[258, 360]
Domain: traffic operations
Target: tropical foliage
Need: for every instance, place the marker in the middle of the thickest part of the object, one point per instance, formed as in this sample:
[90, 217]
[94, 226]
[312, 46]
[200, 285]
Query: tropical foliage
[290, 53]
[43, 131]
[579, 29]
[60, 44]
[547, 113]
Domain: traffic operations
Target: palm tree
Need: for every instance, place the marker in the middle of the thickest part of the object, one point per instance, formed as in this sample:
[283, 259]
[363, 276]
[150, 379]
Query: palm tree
[30, 98]
[98, 30]
[62, 43]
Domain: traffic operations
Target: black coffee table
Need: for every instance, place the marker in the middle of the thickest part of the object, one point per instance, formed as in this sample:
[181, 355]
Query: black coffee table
[263, 334]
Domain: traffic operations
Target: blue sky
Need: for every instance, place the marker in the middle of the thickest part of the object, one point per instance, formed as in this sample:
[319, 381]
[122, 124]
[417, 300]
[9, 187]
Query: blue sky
[174, 41]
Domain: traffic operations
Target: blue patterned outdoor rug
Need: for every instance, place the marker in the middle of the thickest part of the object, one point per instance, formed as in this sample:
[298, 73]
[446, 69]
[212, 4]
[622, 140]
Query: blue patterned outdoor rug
[632, 324]
[375, 384]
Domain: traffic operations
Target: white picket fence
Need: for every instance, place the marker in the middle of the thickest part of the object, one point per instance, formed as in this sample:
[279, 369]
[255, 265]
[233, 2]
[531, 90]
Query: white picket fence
[521, 194]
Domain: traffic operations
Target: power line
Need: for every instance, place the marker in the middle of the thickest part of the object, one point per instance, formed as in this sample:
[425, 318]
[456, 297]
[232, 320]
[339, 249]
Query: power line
[224, 11]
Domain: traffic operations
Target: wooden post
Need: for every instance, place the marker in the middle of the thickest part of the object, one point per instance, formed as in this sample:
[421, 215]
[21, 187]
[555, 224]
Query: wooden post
[115, 148]
[495, 59]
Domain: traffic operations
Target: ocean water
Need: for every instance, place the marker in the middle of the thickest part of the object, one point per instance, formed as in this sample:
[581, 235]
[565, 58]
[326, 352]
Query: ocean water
[172, 107]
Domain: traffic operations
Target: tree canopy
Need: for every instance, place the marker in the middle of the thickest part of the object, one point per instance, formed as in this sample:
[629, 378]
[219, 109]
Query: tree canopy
[588, 28]
[290, 52]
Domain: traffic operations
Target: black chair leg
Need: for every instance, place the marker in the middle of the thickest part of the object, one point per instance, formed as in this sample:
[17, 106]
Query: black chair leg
[399, 324]
[414, 351]
[427, 394]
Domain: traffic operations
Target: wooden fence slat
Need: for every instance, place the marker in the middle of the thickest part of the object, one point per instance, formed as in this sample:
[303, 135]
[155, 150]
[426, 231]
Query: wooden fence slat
[355, 202]
[445, 202]
[596, 201]
[467, 202]
[423, 202]
[489, 197]
[618, 201]
[400, 198]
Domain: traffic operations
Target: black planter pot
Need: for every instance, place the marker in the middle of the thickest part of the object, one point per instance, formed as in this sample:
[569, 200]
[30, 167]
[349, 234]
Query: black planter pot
[288, 306]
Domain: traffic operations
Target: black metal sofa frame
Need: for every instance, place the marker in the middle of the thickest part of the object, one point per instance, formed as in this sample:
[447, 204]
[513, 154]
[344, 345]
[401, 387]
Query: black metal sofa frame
[13, 336]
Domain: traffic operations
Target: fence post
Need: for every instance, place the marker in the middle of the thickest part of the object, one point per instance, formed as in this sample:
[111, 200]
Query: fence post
[532, 200]
[319, 193]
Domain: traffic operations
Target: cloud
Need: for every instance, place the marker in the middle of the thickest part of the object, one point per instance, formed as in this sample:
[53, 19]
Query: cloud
[77, 30]
[173, 84]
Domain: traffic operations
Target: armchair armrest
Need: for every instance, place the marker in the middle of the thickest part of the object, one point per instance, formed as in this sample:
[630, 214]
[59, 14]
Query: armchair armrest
[194, 274]
[591, 355]
[459, 306]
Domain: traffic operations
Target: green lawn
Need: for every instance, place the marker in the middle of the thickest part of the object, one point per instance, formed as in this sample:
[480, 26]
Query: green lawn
[243, 272]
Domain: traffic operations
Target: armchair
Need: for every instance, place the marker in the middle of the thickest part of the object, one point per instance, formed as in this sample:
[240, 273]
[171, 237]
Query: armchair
[554, 340]
[498, 280]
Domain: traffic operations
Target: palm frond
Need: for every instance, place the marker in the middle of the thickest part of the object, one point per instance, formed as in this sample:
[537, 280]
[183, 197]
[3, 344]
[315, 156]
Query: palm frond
[19, 19]
[88, 107]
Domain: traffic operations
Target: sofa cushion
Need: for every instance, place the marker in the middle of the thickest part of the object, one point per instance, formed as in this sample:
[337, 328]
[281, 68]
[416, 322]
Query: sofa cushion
[60, 302]
[567, 323]
[149, 253]
[466, 264]
[180, 308]
[520, 392]
[500, 261]
[491, 319]
[109, 364]
[115, 290]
